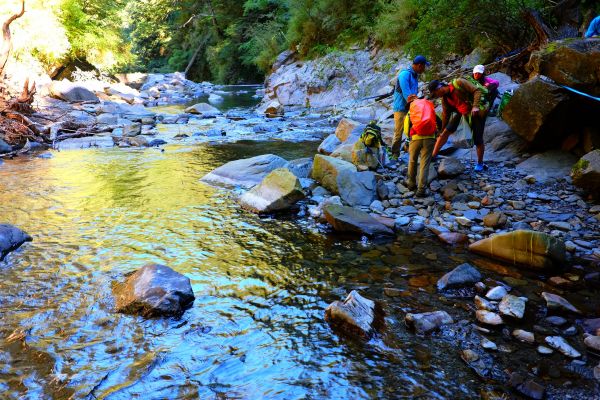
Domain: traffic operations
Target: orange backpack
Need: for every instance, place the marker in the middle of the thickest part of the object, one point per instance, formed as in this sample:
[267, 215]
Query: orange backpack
[422, 118]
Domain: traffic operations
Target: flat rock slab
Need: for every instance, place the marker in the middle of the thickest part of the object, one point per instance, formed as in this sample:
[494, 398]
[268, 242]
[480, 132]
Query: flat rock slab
[556, 302]
[348, 219]
[549, 165]
[560, 344]
[531, 249]
[244, 173]
[154, 290]
[356, 315]
[11, 238]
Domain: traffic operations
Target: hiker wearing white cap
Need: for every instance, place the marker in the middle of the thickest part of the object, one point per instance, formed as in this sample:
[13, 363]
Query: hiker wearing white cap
[492, 92]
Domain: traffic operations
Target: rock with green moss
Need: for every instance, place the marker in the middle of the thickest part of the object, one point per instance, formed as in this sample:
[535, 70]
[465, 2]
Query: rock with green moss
[279, 191]
[536, 250]
[570, 62]
[586, 173]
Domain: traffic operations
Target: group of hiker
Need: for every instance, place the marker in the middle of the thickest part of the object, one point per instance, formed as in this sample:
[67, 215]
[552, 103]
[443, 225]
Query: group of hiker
[466, 99]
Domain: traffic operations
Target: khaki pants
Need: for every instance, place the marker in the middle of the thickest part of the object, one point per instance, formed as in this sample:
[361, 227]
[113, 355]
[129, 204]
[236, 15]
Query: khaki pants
[398, 129]
[422, 148]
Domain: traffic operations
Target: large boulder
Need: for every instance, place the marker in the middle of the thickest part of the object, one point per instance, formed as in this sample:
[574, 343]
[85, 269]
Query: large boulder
[328, 145]
[355, 316]
[357, 188]
[570, 62]
[11, 238]
[364, 156]
[345, 128]
[71, 92]
[348, 219]
[244, 173]
[586, 173]
[539, 113]
[326, 170]
[301, 167]
[134, 80]
[279, 191]
[154, 290]
[203, 109]
[532, 249]
[450, 167]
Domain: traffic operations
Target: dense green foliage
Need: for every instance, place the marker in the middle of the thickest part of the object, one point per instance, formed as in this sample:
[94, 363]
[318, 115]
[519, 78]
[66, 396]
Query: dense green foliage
[237, 41]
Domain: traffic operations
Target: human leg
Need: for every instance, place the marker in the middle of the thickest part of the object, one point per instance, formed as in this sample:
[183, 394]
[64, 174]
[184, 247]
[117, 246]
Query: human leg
[414, 148]
[424, 161]
[398, 130]
[450, 129]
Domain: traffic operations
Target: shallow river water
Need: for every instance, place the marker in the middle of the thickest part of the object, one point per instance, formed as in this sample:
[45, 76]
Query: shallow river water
[256, 329]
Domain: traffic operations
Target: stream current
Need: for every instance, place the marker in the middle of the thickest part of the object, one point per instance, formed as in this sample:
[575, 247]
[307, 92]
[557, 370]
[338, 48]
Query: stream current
[256, 329]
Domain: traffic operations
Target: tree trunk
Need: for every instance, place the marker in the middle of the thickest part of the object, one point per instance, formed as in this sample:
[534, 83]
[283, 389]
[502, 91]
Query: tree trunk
[6, 39]
[193, 58]
[542, 32]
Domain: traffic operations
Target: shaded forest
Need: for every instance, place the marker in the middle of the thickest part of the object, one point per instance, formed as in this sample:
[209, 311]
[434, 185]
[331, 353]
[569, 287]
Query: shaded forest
[229, 41]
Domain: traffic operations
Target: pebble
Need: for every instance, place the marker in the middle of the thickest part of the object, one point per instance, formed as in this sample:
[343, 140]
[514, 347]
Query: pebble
[483, 304]
[517, 205]
[496, 293]
[555, 302]
[560, 344]
[556, 320]
[512, 306]
[469, 356]
[488, 344]
[524, 336]
[565, 226]
[489, 318]
[593, 342]
[464, 221]
[544, 350]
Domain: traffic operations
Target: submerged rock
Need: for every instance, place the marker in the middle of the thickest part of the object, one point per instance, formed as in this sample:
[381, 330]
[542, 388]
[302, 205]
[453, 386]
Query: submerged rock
[560, 344]
[356, 315]
[427, 322]
[244, 173]
[527, 248]
[555, 302]
[154, 290]
[348, 219]
[279, 191]
[11, 238]
[463, 275]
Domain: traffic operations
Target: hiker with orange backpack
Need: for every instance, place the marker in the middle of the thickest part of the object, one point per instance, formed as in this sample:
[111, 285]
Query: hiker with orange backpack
[460, 98]
[420, 131]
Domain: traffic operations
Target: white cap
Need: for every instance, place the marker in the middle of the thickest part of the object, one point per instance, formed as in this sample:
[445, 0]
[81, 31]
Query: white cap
[478, 69]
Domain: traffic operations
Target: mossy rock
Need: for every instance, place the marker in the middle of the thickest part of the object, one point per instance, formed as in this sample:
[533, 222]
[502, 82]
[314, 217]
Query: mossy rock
[586, 173]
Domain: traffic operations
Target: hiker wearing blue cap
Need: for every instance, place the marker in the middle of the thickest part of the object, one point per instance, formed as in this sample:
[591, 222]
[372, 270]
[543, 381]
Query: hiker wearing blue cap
[405, 91]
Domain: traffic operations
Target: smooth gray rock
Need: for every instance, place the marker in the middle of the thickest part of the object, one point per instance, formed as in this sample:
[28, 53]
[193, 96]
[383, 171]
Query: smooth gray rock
[301, 167]
[556, 302]
[357, 188]
[560, 344]
[11, 238]
[427, 322]
[463, 275]
[450, 167]
[356, 315]
[328, 145]
[549, 165]
[154, 290]
[71, 92]
[244, 173]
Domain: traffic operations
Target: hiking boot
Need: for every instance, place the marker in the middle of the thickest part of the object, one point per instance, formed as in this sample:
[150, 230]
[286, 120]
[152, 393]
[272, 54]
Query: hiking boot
[409, 186]
[480, 167]
[421, 193]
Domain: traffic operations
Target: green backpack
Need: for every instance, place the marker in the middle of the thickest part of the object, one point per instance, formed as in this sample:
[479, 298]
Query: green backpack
[371, 136]
[483, 101]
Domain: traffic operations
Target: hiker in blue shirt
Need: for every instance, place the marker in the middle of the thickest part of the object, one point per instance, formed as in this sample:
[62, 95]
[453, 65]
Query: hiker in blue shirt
[594, 28]
[405, 91]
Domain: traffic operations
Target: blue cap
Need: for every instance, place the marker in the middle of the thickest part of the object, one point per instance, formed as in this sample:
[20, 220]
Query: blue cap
[421, 60]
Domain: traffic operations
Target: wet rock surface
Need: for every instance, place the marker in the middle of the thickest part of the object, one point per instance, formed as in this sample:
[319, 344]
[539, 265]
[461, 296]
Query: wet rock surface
[427, 322]
[154, 290]
[356, 315]
[246, 172]
[11, 238]
[279, 191]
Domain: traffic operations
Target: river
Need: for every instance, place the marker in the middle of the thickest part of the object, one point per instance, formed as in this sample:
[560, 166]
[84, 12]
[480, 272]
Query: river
[256, 329]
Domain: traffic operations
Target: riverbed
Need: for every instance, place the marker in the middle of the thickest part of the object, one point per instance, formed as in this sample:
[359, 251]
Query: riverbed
[256, 329]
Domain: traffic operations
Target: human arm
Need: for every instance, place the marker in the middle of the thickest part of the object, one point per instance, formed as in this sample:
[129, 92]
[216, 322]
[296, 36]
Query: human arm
[474, 90]
[405, 86]
[445, 113]
[594, 28]
[491, 84]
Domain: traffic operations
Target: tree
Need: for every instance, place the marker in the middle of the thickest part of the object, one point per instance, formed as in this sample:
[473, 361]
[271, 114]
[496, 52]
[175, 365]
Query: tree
[6, 37]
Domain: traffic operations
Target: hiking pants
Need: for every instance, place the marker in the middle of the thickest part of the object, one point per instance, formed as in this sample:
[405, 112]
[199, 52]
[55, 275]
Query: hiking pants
[398, 129]
[422, 148]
